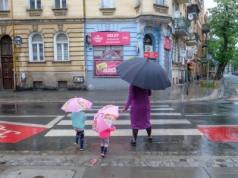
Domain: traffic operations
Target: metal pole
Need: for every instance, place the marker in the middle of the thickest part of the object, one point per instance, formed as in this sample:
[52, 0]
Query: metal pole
[208, 70]
[14, 47]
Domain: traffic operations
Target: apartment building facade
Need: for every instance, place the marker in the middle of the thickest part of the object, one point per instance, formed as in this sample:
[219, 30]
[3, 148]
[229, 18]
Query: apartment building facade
[41, 44]
[78, 44]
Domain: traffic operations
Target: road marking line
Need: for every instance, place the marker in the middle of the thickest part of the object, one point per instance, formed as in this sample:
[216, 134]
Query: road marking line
[54, 121]
[127, 122]
[217, 125]
[23, 124]
[28, 116]
[159, 106]
[128, 114]
[125, 132]
[152, 109]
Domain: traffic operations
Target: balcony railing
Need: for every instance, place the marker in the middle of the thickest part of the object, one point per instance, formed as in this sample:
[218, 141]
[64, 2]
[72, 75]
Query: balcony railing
[181, 26]
[193, 10]
[192, 39]
[182, 1]
[205, 29]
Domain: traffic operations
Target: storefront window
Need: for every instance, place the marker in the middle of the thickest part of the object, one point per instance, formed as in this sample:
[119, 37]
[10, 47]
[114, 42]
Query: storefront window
[106, 59]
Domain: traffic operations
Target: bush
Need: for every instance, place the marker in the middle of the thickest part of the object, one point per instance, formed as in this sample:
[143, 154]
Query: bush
[209, 84]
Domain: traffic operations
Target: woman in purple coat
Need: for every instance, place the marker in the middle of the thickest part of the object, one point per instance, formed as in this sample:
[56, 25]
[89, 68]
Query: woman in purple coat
[139, 101]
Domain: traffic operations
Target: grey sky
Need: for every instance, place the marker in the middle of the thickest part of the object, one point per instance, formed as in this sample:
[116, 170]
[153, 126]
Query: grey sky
[209, 4]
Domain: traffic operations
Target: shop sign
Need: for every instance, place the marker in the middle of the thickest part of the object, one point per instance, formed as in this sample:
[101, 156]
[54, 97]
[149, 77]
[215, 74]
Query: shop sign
[167, 43]
[106, 68]
[110, 38]
[151, 55]
[78, 79]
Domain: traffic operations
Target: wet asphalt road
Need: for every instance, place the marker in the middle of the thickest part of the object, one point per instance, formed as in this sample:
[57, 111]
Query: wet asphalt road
[213, 113]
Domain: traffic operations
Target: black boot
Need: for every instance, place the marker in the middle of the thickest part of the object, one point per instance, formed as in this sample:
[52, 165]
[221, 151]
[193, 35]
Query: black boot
[102, 147]
[104, 152]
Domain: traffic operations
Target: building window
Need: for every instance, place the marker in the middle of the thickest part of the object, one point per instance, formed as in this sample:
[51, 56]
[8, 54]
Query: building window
[61, 47]
[106, 59]
[160, 2]
[138, 2]
[60, 4]
[4, 5]
[36, 47]
[35, 4]
[107, 3]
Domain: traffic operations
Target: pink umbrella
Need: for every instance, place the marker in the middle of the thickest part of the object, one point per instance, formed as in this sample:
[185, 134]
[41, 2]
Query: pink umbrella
[109, 110]
[105, 117]
[76, 105]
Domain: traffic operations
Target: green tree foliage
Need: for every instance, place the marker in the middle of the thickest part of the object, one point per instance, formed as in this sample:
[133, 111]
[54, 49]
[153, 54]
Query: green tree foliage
[234, 61]
[223, 24]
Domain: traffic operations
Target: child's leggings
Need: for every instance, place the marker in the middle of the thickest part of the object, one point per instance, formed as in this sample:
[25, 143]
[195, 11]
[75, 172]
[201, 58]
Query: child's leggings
[79, 134]
[105, 142]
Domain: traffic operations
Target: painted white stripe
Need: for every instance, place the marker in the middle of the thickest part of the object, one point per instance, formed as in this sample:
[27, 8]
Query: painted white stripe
[127, 122]
[125, 132]
[14, 116]
[24, 124]
[54, 121]
[159, 106]
[152, 109]
[152, 114]
[217, 125]
[211, 115]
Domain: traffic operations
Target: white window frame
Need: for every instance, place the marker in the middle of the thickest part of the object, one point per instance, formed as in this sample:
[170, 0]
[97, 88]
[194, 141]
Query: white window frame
[61, 4]
[107, 3]
[35, 7]
[62, 46]
[160, 2]
[38, 48]
[5, 5]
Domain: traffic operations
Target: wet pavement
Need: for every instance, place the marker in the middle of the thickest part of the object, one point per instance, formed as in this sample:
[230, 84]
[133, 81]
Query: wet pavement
[173, 156]
[176, 93]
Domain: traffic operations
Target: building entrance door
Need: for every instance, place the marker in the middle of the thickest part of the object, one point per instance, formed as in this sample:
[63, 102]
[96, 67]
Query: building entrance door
[6, 58]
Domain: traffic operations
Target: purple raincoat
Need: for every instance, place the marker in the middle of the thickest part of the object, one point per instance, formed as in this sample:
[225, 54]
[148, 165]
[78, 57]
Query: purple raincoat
[139, 101]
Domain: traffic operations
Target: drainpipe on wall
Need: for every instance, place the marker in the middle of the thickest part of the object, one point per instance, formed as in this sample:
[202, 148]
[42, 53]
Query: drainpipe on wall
[13, 47]
[85, 61]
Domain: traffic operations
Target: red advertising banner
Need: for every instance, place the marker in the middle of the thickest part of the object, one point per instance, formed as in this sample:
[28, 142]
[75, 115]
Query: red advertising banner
[167, 43]
[110, 38]
[151, 55]
[106, 68]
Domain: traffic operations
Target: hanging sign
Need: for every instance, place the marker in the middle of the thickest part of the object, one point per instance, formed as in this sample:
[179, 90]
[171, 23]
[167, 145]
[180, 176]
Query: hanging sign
[167, 43]
[151, 55]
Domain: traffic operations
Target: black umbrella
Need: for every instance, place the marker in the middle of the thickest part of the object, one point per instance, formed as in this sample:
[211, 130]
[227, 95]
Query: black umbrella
[144, 73]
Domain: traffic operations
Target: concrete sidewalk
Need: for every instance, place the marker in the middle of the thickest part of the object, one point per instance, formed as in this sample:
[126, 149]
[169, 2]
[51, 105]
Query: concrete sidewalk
[113, 166]
[180, 93]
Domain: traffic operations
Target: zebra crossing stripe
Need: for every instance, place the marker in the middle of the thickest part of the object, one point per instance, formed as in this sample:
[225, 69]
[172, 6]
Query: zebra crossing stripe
[127, 122]
[152, 109]
[125, 132]
[157, 106]
[151, 114]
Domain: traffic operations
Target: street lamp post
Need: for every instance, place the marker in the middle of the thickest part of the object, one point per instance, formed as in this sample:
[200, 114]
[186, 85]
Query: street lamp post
[209, 56]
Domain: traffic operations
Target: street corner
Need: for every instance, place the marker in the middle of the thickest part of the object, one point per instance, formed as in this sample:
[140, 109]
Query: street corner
[12, 133]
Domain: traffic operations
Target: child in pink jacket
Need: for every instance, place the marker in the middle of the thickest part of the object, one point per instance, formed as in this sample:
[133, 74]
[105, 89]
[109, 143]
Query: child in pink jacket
[104, 135]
